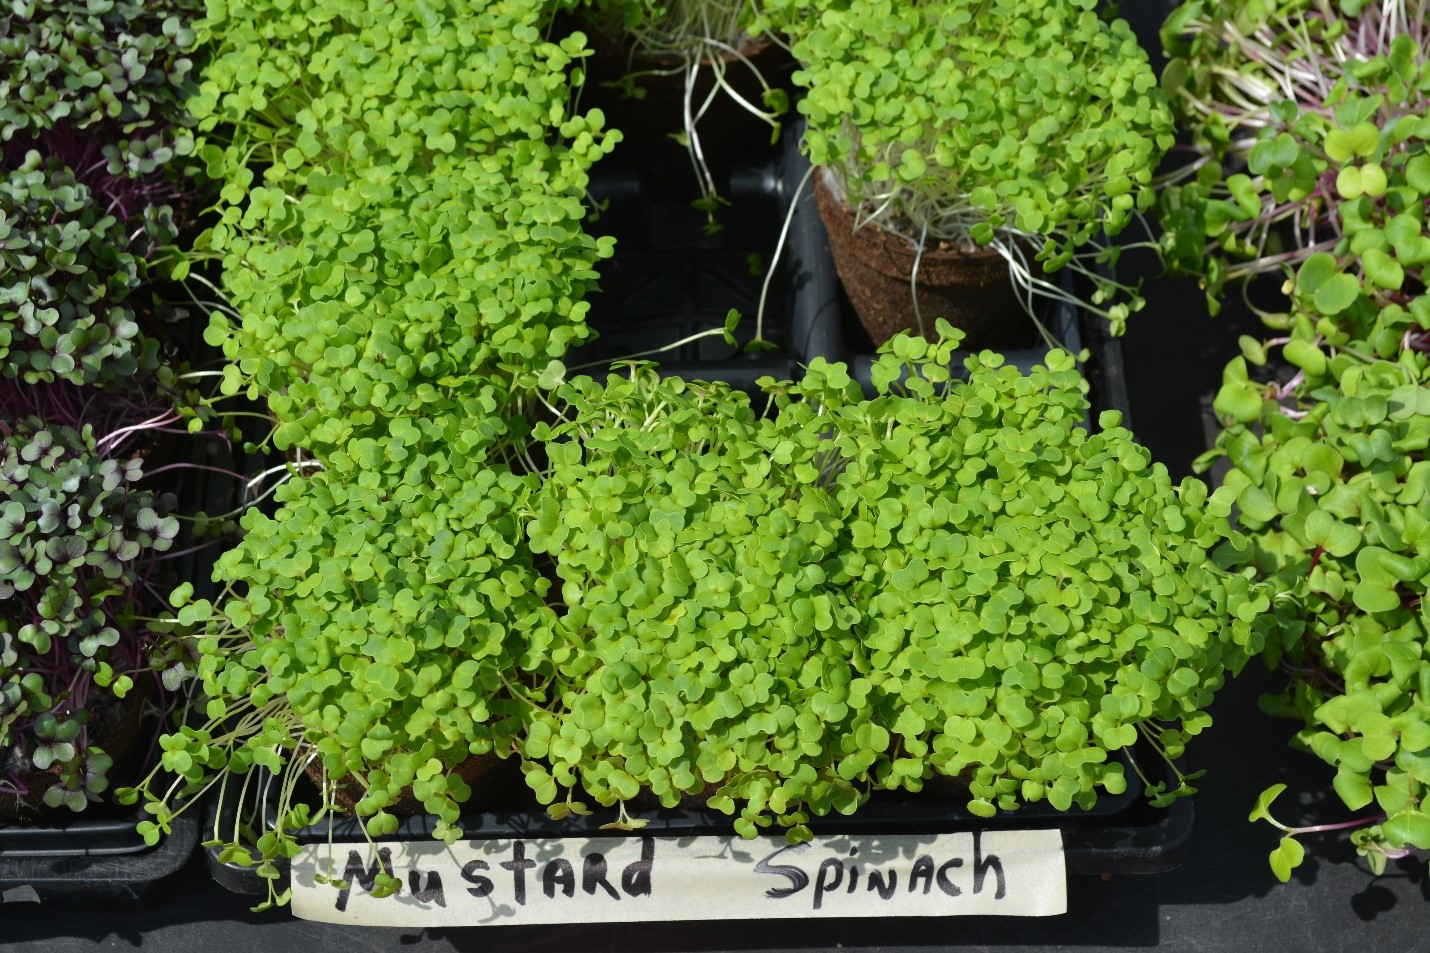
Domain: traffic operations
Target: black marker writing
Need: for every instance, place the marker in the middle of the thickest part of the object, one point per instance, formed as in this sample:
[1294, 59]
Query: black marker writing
[519, 865]
[831, 865]
[876, 883]
[841, 875]
[432, 893]
[923, 870]
[481, 886]
[798, 878]
[982, 865]
[946, 885]
[635, 879]
[366, 877]
[558, 873]
[593, 875]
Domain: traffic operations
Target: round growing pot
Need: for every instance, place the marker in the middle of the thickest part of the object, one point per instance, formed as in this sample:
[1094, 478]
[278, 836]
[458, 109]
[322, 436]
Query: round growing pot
[971, 290]
[486, 774]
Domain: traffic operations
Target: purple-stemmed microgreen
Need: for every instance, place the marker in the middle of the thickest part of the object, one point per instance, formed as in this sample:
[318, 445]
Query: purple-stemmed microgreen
[1329, 474]
[117, 73]
[1300, 112]
[78, 540]
[1289, 852]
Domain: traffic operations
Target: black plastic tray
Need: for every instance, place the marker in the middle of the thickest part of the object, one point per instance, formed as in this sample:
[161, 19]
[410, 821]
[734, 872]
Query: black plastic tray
[96, 860]
[669, 280]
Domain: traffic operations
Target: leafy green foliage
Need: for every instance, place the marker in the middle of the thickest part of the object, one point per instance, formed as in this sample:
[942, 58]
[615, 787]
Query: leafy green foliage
[391, 636]
[67, 270]
[953, 578]
[1311, 132]
[1031, 597]
[414, 243]
[1361, 185]
[400, 232]
[1333, 490]
[77, 539]
[120, 68]
[431, 289]
[974, 121]
[96, 87]
[740, 603]
[707, 638]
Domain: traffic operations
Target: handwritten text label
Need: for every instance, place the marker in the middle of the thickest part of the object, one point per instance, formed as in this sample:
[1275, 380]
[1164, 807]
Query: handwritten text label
[634, 878]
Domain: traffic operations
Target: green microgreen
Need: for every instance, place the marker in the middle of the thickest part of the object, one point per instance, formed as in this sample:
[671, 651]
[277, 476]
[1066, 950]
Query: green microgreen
[1008, 123]
[1032, 597]
[1332, 488]
[706, 641]
[414, 242]
[385, 621]
[1309, 126]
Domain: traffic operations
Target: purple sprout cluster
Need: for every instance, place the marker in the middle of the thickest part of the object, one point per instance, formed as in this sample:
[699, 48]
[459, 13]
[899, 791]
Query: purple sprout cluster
[95, 172]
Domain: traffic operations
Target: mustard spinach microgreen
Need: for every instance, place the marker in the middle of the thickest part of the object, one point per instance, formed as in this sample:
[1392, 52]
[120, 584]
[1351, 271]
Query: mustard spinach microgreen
[387, 621]
[1031, 596]
[707, 637]
[951, 579]
[400, 227]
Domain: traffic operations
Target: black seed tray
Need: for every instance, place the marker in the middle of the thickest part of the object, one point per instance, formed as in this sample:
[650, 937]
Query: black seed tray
[669, 280]
[101, 861]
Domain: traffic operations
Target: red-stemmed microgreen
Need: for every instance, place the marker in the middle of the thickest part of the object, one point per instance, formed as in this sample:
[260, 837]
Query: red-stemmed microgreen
[1307, 119]
[1329, 474]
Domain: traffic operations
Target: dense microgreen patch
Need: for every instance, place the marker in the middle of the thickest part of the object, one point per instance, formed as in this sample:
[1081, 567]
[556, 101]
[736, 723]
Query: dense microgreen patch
[400, 230]
[1333, 489]
[386, 622]
[67, 271]
[1031, 597]
[707, 636]
[412, 300]
[78, 539]
[1309, 124]
[781, 611]
[92, 128]
[1001, 122]
[951, 579]
[118, 70]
